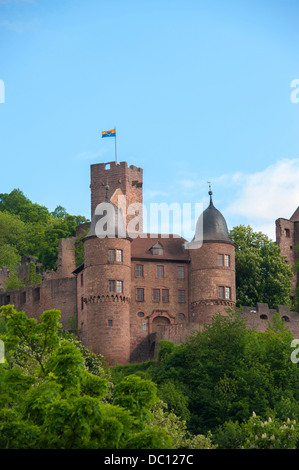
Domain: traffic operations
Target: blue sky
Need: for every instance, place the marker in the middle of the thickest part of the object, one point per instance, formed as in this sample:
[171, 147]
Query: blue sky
[198, 91]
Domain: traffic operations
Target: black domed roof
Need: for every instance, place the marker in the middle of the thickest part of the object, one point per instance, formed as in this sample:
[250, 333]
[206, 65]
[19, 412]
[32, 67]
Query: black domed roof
[211, 226]
[214, 225]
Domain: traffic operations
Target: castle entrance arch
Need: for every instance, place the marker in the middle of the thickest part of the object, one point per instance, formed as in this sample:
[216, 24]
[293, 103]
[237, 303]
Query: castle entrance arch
[158, 318]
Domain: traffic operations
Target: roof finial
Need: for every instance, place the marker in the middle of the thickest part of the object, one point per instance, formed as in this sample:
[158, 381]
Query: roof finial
[107, 189]
[210, 192]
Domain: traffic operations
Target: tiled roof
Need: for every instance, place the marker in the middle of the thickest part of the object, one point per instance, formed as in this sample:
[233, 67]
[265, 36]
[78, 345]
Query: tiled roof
[173, 247]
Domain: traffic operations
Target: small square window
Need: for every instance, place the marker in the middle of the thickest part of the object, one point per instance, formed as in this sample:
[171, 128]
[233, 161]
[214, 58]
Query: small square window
[111, 255]
[119, 256]
[181, 273]
[165, 295]
[181, 296]
[220, 292]
[156, 295]
[119, 286]
[139, 270]
[160, 271]
[227, 292]
[220, 260]
[111, 286]
[140, 294]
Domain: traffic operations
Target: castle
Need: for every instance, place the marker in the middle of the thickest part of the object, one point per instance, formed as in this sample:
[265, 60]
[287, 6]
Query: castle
[131, 292]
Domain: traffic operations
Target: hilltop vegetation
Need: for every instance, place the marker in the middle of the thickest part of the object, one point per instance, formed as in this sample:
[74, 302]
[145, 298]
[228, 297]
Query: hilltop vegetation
[227, 387]
[27, 228]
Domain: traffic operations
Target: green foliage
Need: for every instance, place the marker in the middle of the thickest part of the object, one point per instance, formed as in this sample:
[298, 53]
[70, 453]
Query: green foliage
[27, 228]
[262, 275]
[34, 278]
[224, 372]
[40, 339]
[49, 399]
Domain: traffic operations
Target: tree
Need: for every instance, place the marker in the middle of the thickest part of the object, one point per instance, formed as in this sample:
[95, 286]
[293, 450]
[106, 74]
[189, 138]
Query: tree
[270, 433]
[50, 400]
[28, 228]
[262, 275]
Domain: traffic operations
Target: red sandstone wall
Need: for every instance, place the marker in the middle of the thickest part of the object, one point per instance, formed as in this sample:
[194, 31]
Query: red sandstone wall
[288, 241]
[155, 313]
[57, 294]
[128, 179]
[205, 278]
[105, 316]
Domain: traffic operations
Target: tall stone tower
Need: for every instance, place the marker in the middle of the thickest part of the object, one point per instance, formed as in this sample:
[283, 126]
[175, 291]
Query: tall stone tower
[123, 181]
[287, 237]
[212, 268]
[104, 286]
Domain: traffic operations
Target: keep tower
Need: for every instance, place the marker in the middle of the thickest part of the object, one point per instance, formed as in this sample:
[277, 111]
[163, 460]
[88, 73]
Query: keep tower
[123, 180]
[212, 267]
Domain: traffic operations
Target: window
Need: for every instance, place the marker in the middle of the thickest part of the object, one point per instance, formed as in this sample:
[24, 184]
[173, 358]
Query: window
[82, 303]
[36, 294]
[181, 272]
[23, 297]
[181, 316]
[160, 271]
[181, 296]
[165, 295]
[139, 270]
[119, 255]
[224, 292]
[227, 292]
[220, 260]
[156, 295]
[227, 260]
[110, 322]
[119, 286]
[111, 255]
[140, 294]
[111, 286]
[157, 249]
[287, 233]
[140, 314]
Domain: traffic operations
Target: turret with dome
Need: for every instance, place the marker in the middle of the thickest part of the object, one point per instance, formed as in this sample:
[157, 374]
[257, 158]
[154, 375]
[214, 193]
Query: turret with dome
[212, 267]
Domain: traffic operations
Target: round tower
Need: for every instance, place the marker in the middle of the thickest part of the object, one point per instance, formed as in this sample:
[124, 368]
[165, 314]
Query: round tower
[212, 267]
[106, 285]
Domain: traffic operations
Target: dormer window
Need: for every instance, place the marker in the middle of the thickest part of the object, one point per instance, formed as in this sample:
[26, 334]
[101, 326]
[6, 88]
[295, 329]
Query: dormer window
[157, 249]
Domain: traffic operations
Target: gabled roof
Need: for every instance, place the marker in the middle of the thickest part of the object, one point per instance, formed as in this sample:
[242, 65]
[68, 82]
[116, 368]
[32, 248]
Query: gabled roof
[173, 247]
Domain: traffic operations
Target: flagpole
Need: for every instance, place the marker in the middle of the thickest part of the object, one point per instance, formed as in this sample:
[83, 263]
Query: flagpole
[115, 146]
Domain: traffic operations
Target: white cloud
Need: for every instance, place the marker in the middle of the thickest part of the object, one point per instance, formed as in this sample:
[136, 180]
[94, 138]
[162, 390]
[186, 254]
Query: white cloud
[267, 195]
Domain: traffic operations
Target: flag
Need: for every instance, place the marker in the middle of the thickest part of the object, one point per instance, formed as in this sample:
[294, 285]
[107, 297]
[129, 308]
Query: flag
[111, 133]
